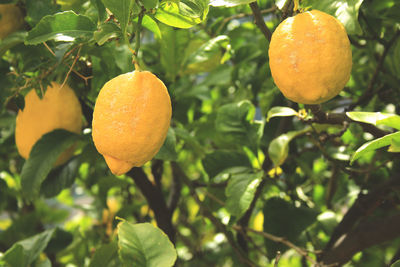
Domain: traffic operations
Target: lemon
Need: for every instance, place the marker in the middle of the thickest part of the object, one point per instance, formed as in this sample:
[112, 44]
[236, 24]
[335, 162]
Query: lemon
[310, 57]
[131, 119]
[11, 19]
[58, 109]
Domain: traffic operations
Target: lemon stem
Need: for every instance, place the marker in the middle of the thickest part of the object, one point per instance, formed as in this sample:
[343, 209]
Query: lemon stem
[137, 40]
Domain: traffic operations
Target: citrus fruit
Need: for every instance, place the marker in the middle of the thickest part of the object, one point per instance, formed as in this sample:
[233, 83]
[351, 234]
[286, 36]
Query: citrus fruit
[131, 119]
[310, 57]
[58, 109]
[11, 19]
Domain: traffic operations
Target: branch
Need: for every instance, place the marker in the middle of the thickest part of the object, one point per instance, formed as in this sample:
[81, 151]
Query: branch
[368, 93]
[156, 201]
[360, 208]
[260, 21]
[366, 235]
[242, 15]
[323, 117]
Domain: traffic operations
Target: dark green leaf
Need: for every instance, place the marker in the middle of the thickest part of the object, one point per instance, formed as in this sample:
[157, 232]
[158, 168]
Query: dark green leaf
[220, 160]
[60, 178]
[144, 245]
[283, 219]
[168, 151]
[150, 4]
[37, 9]
[59, 241]
[104, 255]
[235, 124]
[42, 158]
[26, 251]
[11, 41]
[240, 192]
[63, 26]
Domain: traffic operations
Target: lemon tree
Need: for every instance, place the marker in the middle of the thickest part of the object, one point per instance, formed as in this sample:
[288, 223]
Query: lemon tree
[199, 133]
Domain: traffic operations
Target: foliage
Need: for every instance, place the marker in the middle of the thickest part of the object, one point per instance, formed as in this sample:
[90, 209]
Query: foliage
[244, 178]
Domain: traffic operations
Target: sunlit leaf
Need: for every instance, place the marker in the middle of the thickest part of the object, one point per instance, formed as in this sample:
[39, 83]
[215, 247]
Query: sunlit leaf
[63, 26]
[281, 112]
[144, 245]
[278, 149]
[375, 144]
[240, 192]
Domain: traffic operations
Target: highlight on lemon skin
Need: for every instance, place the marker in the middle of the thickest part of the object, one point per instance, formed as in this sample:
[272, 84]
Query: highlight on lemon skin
[310, 57]
[59, 108]
[131, 119]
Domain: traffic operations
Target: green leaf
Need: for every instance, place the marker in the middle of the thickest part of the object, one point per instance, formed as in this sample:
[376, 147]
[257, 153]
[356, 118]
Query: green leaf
[220, 160]
[149, 4]
[144, 245]
[104, 255]
[278, 149]
[107, 31]
[170, 14]
[60, 178]
[284, 219]
[150, 24]
[173, 42]
[240, 192]
[207, 57]
[11, 41]
[37, 9]
[168, 151]
[235, 124]
[375, 144]
[376, 118]
[230, 3]
[42, 158]
[121, 10]
[346, 11]
[281, 112]
[63, 26]
[395, 145]
[26, 251]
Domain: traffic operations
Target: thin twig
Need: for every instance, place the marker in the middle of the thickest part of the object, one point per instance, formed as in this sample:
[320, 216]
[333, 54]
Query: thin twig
[260, 21]
[70, 69]
[282, 240]
[242, 15]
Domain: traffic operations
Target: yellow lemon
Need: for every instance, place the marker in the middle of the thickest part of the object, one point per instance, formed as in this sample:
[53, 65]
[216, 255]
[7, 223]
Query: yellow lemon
[11, 19]
[131, 119]
[310, 57]
[58, 109]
